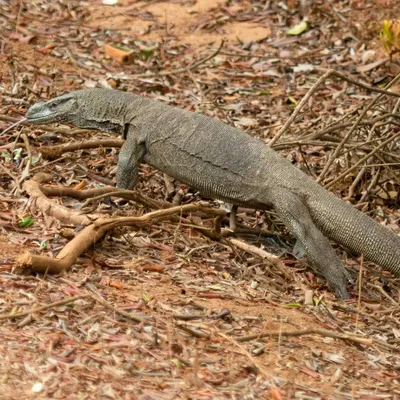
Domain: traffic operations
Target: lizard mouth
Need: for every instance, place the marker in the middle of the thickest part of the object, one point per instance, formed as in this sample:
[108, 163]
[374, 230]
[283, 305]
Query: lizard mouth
[39, 120]
[44, 116]
[36, 119]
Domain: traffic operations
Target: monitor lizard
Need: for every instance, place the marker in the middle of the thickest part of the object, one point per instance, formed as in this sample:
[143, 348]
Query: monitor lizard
[225, 163]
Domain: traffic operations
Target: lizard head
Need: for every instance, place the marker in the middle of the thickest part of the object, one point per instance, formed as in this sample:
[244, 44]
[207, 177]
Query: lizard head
[62, 108]
[102, 109]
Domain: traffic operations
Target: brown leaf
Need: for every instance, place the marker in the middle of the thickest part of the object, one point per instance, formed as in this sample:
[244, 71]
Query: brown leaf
[119, 55]
[21, 38]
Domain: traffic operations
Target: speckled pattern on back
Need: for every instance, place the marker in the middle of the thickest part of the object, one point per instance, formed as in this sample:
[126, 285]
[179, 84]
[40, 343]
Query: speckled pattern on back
[225, 163]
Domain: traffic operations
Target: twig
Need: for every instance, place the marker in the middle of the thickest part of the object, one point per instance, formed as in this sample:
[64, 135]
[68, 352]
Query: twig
[303, 101]
[314, 88]
[44, 165]
[271, 258]
[260, 367]
[180, 70]
[154, 216]
[63, 214]
[18, 15]
[360, 84]
[192, 331]
[308, 54]
[19, 122]
[91, 195]
[11, 175]
[46, 307]
[131, 316]
[361, 160]
[357, 180]
[321, 332]
[384, 293]
[26, 171]
[363, 169]
[53, 152]
[190, 317]
[322, 143]
[124, 194]
[371, 185]
[360, 286]
[352, 129]
[93, 233]
[339, 126]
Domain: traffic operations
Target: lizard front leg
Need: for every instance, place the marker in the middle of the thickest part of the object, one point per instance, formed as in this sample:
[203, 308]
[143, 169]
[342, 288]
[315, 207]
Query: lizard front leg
[295, 215]
[130, 157]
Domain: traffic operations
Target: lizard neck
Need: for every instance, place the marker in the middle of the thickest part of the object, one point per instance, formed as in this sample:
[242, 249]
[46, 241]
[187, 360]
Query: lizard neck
[87, 122]
[106, 110]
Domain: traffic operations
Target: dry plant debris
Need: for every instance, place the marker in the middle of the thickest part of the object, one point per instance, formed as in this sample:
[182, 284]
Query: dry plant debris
[180, 309]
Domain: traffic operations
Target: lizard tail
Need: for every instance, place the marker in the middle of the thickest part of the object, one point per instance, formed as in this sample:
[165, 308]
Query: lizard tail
[355, 231]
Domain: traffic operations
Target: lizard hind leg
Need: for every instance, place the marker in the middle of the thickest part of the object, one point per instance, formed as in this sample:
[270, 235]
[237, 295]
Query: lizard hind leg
[295, 215]
[233, 219]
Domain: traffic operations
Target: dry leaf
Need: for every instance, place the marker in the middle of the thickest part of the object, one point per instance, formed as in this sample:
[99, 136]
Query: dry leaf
[119, 55]
[298, 29]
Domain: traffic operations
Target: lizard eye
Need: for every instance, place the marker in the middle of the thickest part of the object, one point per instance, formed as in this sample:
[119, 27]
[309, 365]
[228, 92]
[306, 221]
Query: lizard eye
[52, 106]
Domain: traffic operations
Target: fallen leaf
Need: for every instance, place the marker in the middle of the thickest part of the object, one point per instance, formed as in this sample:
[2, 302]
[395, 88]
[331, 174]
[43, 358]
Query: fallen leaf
[153, 268]
[275, 394]
[303, 68]
[298, 29]
[21, 38]
[37, 387]
[375, 64]
[392, 194]
[334, 357]
[367, 56]
[46, 49]
[245, 121]
[119, 55]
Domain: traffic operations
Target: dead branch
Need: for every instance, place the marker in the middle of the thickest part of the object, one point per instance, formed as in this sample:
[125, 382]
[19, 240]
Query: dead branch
[26, 171]
[101, 192]
[192, 330]
[19, 122]
[111, 191]
[340, 126]
[54, 152]
[28, 262]
[362, 160]
[95, 232]
[127, 315]
[154, 216]
[321, 332]
[352, 130]
[362, 85]
[257, 364]
[179, 70]
[298, 108]
[63, 214]
[265, 255]
[322, 143]
[312, 90]
[15, 179]
[45, 307]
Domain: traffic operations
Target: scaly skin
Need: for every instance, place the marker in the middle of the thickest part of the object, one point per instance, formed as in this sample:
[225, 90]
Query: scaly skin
[225, 163]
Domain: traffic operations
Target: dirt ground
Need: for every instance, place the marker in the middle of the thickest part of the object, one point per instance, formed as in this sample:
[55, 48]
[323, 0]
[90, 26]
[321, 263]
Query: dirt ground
[163, 312]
